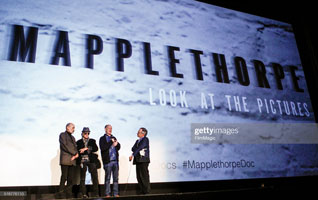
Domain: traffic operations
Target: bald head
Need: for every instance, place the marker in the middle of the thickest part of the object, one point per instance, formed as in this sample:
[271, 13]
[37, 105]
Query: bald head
[108, 129]
[70, 127]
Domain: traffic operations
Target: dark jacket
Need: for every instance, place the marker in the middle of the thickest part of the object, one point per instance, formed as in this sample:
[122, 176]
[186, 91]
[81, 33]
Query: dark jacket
[142, 145]
[91, 153]
[104, 149]
[67, 148]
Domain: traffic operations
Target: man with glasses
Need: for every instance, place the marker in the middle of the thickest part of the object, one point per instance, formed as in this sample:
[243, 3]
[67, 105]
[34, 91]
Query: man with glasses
[141, 156]
[87, 149]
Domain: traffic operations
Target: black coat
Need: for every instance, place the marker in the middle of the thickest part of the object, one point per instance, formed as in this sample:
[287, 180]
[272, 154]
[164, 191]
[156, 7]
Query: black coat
[104, 148]
[92, 155]
[142, 145]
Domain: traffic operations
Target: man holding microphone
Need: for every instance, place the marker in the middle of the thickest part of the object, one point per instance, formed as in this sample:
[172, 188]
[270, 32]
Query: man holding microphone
[109, 147]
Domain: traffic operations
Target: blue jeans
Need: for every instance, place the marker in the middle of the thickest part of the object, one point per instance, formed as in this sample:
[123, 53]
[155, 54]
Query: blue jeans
[111, 168]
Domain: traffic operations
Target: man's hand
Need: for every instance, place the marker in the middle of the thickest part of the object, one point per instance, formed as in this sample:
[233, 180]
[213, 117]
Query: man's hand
[74, 157]
[83, 149]
[115, 143]
[130, 158]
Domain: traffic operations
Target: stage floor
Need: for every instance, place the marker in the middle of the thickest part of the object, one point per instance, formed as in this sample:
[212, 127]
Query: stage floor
[304, 186]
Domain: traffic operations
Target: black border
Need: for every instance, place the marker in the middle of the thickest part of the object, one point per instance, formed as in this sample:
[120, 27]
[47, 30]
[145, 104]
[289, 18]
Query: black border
[302, 16]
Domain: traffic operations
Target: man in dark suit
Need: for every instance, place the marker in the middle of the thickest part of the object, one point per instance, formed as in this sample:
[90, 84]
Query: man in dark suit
[87, 149]
[141, 156]
[109, 147]
[68, 155]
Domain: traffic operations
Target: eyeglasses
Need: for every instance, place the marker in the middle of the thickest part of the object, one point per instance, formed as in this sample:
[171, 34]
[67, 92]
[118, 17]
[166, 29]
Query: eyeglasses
[85, 133]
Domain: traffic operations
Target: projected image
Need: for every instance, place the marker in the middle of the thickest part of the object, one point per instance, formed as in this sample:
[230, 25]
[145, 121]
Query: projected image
[178, 68]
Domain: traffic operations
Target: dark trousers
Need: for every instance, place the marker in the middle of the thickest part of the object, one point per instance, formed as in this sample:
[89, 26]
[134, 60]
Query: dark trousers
[93, 171]
[143, 177]
[66, 176]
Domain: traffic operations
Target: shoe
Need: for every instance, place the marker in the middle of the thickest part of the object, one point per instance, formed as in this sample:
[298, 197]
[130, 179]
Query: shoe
[117, 195]
[107, 196]
[85, 196]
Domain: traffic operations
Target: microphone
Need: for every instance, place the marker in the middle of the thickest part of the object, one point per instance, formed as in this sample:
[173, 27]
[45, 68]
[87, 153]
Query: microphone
[113, 138]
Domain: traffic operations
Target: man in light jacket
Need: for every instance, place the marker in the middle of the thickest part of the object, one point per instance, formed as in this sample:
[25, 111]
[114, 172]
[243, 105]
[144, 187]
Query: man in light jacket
[68, 155]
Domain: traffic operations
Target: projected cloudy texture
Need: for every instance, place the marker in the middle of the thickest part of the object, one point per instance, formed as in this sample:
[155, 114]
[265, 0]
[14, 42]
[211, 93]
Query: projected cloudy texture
[38, 99]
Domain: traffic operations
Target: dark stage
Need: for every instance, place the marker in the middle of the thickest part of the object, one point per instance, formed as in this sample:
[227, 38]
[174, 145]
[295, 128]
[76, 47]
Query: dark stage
[187, 190]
